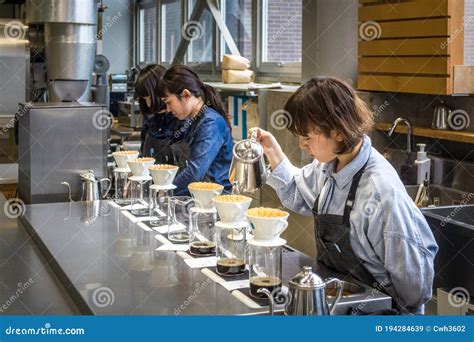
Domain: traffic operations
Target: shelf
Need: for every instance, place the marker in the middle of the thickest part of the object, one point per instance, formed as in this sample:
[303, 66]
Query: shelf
[465, 137]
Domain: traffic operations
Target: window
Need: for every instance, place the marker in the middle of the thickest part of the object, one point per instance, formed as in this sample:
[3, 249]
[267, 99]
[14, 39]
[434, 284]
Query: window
[170, 29]
[281, 32]
[199, 33]
[237, 16]
[147, 33]
[267, 32]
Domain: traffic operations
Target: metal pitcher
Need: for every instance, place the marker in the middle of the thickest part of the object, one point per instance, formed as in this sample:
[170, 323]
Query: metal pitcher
[90, 187]
[440, 116]
[307, 295]
[248, 171]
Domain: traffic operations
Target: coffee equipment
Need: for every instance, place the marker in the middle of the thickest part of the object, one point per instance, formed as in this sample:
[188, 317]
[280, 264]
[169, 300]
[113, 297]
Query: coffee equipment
[440, 116]
[140, 184]
[91, 191]
[179, 213]
[307, 294]
[248, 171]
[161, 192]
[231, 248]
[265, 267]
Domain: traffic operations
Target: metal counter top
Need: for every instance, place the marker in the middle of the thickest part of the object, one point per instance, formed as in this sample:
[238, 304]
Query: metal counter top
[111, 267]
[24, 269]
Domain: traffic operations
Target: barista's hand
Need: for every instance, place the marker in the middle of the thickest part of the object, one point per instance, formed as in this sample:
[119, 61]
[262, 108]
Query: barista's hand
[271, 147]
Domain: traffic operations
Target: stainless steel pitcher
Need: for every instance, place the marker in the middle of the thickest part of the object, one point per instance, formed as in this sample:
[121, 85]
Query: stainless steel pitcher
[248, 171]
[440, 116]
[91, 187]
[307, 295]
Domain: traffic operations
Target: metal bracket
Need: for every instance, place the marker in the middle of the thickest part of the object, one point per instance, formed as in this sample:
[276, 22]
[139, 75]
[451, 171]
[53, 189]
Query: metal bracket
[195, 16]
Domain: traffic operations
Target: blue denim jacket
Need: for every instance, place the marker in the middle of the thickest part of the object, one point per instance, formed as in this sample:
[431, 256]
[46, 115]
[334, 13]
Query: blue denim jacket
[211, 152]
[388, 232]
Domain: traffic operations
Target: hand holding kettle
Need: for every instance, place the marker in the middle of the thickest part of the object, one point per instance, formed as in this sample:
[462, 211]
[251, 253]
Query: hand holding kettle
[271, 147]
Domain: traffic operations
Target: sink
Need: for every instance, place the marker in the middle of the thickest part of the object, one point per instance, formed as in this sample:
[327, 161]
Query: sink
[461, 216]
[444, 196]
[453, 230]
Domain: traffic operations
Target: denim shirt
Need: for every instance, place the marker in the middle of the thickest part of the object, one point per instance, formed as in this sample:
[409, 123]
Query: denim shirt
[388, 232]
[159, 126]
[211, 152]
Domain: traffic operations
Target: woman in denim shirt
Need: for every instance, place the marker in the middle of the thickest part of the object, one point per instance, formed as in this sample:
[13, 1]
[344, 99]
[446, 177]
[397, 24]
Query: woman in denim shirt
[366, 225]
[158, 125]
[202, 146]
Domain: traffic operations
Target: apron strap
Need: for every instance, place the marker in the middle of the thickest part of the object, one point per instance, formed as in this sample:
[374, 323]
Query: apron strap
[352, 193]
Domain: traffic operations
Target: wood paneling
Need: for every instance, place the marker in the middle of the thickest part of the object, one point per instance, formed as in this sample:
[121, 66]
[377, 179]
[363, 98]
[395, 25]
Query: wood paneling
[410, 46]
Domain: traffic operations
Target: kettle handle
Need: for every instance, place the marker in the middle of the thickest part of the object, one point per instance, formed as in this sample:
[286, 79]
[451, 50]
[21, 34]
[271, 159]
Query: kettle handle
[108, 187]
[339, 293]
[271, 300]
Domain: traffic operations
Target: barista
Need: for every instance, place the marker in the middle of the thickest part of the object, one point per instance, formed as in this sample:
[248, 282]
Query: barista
[366, 225]
[202, 146]
[158, 125]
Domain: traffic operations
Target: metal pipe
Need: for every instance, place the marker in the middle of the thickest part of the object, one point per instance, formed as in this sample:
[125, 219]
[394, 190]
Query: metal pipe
[409, 133]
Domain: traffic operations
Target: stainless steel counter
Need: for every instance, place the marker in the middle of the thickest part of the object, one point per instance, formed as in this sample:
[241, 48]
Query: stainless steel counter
[111, 267]
[28, 285]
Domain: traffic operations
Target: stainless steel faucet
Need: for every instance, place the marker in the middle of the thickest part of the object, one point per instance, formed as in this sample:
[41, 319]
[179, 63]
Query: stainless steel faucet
[409, 133]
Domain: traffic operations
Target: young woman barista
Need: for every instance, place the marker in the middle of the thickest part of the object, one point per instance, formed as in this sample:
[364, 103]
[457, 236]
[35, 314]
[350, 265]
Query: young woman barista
[202, 147]
[366, 225]
[158, 125]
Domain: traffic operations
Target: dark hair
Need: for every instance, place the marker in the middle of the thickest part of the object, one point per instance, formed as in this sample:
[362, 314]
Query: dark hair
[181, 77]
[324, 104]
[146, 85]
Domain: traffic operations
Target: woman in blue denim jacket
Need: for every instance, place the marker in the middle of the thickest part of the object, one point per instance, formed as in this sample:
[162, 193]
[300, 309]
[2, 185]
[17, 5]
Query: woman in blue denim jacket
[202, 146]
[366, 225]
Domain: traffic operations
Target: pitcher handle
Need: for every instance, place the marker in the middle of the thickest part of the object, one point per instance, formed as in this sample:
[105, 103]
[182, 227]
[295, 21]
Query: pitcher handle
[339, 293]
[108, 187]
[68, 190]
[271, 300]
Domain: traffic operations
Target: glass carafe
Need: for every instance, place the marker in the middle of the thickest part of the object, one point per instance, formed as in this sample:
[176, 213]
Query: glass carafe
[159, 207]
[122, 194]
[265, 265]
[140, 190]
[202, 231]
[179, 216]
[230, 248]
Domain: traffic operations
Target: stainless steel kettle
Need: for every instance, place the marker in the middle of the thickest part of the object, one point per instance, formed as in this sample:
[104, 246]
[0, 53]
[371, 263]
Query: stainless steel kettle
[307, 295]
[90, 187]
[248, 171]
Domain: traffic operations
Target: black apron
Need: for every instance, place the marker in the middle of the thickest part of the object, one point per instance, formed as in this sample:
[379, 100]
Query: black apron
[333, 243]
[170, 151]
[332, 233]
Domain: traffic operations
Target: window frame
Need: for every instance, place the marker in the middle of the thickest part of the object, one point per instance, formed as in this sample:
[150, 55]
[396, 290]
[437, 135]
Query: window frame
[142, 5]
[265, 71]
